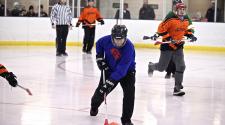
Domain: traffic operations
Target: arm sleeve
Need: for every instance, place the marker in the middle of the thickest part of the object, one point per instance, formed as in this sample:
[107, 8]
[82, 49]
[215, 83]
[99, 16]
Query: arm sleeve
[123, 65]
[82, 16]
[98, 15]
[53, 14]
[129, 17]
[99, 48]
[140, 17]
[117, 14]
[153, 14]
[69, 15]
[163, 28]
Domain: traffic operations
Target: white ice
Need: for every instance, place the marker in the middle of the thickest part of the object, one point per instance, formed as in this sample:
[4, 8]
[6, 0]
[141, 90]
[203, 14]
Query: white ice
[62, 88]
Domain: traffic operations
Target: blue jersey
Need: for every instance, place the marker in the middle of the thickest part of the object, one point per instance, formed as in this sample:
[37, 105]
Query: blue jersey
[120, 60]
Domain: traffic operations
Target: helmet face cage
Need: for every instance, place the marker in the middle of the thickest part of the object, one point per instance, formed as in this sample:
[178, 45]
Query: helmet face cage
[119, 32]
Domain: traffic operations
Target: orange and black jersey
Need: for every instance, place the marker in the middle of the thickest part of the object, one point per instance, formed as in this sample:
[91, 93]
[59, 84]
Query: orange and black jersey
[3, 70]
[89, 15]
[175, 28]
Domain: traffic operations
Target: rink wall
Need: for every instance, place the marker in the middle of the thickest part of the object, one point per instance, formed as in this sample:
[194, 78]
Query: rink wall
[38, 31]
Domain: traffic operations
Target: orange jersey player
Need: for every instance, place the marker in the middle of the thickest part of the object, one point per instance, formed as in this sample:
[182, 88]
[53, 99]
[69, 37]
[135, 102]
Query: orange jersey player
[173, 29]
[88, 18]
[9, 76]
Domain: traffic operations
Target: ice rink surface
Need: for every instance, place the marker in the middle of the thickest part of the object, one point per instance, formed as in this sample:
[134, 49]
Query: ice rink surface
[62, 88]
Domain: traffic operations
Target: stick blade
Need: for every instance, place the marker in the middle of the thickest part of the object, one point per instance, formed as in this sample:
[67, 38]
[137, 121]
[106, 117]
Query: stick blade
[29, 92]
[146, 37]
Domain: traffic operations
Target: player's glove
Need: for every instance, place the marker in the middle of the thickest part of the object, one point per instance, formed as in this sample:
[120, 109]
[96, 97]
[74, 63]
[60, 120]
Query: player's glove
[77, 24]
[102, 65]
[102, 22]
[192, 37]
[107, 87]
[154, 37]
[11, 78]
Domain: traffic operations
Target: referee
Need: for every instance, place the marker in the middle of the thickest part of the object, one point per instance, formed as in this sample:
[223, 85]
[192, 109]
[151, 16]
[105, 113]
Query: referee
[61, 18]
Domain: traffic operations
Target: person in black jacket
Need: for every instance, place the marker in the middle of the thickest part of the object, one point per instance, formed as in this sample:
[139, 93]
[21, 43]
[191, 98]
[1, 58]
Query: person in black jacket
[146, 12]
[31, 12]
[2, 9]
[211, 11]
[43, 13]
[126, 13]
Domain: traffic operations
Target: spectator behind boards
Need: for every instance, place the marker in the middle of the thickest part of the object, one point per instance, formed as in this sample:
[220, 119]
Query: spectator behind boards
[146, 12]
[126, 13]
[31, 12]
[211, 11]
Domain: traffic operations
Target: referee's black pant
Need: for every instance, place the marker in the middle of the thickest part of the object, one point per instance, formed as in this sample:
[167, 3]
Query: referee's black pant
[128, 85]
[61, 36]
[89, 37]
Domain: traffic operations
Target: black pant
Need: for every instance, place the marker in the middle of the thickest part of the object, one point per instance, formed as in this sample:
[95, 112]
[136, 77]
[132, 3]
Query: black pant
[89, 37]
[128, 86]
[61, 36]
[171, 67]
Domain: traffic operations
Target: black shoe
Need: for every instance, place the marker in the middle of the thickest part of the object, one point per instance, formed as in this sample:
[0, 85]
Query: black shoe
[88, 52]
[64, 54]
[167, 76]
[93, 111]
[173, 75]
[150, 70]
[178, 92]
[84, 51]
[58, 54]
[130, 123]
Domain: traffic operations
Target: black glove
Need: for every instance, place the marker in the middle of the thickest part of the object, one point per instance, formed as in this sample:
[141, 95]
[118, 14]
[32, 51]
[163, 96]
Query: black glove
[102, 22]
[154, 37]
[193, 38]
[77, 24]
[102, 65]
[11, 78]
[107, 87]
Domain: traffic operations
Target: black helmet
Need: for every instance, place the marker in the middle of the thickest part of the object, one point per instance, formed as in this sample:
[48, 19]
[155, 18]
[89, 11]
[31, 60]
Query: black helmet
[177, 1]
[119, 32]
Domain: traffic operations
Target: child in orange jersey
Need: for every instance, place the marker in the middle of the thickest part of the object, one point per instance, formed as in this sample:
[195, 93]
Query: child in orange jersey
[173, 29]
[88, 18]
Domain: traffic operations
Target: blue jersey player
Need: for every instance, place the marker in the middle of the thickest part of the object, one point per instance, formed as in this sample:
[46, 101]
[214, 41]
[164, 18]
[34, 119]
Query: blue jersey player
[116, 55]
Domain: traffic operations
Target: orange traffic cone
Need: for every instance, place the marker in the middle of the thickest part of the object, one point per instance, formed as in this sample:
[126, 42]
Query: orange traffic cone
[106, 122]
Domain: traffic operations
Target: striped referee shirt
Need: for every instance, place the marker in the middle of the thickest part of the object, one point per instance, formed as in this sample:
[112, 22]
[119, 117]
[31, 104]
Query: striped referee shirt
[61, 14]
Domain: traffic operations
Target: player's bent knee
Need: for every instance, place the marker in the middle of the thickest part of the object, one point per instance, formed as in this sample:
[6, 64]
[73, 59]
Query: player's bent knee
[181, 68]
